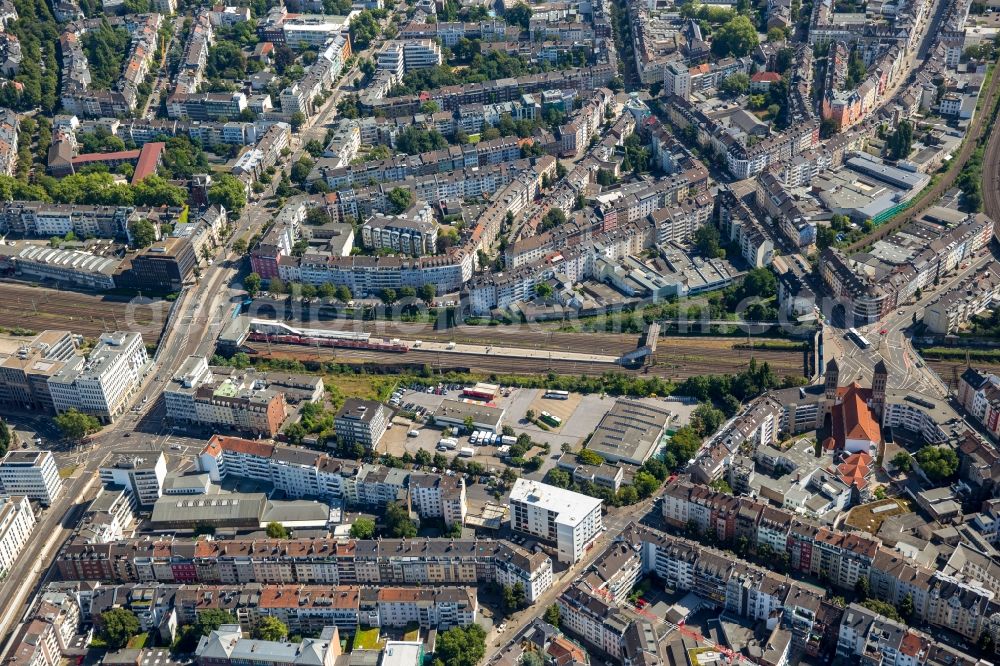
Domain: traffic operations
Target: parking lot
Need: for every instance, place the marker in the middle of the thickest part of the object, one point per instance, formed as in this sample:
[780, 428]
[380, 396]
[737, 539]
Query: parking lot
[580, 414]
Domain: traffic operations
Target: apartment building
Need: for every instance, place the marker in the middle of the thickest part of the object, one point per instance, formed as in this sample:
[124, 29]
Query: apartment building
[36, 644]
[572, 521]
[840, 557]
[30, 473]
[434, 496]
[141, 473]
[412, 234]
[362, 422]
[865, 634]
[242, 399]
[24, 375]
[301, 473]
[205, 106]
[37, 218]
[17, 520]
[103, 384]
[10, 50]
[533, 570]
[431, 608]
[325, 561]
[954, 309]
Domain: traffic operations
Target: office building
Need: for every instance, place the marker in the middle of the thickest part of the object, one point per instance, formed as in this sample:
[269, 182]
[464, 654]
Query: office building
[141, 473]
[24, 374]
[226, 646]
[102, 384]
[164, 266]
[30, 473]
[570, 520]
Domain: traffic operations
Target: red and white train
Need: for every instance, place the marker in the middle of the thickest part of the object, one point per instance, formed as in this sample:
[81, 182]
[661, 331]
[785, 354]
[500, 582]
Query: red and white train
[280, 333]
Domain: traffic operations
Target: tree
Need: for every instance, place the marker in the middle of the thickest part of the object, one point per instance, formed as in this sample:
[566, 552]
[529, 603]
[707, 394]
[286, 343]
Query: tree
[227, 191]
[143, 233]
[862, 588]
[708, 240]
[906, 607]
[398, 523]
[211, 619]
[301, 169]
[427, 293]
[531, 658]
[252, 284]
[461, 646]
[900, 143]
[519, 14]
[389, 295]
[735, 84]
[400, 199]
[776, 35]
[882, 608]
[588, 457]
[552, 615]
[903, 461]
[706, 419]
[5, 437]
[543, 290]
[276, 530]
[363, 528]
[118, 625]
[559, 478]
[297, 120]
[344, 293]
[270, 628]
[76, 425]
[737, 38]
[553, 218]
[939, 463]
[363, 29]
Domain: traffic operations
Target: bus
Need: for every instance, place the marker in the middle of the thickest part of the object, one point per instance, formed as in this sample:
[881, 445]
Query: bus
[861, 340]
[556, 395]
[550, 420]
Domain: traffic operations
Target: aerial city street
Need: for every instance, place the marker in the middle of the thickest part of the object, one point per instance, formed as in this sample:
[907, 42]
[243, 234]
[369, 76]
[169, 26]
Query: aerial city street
[499, 332]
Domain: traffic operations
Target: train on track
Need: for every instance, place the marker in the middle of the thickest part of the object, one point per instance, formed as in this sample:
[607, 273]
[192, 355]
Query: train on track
[260, 330]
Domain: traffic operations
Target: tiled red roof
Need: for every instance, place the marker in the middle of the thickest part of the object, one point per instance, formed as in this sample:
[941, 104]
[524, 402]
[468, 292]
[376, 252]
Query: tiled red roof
[149, 159]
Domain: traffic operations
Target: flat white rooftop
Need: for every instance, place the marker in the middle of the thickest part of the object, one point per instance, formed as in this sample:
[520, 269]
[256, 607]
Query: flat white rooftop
[571, 508]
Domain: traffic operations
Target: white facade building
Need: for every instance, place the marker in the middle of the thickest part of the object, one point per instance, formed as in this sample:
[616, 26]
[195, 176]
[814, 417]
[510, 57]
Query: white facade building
[30, 473]
[102, 384]
[16, 523]
[141, 472]
[571, 520]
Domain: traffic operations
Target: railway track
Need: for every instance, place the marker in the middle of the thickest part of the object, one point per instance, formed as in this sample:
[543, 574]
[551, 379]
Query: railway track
[981, 122]
[668, 366]
[534, 337]
[991, 171]
[88, 315]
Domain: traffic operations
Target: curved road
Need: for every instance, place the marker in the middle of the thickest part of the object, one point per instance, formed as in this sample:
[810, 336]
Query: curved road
[931, 196]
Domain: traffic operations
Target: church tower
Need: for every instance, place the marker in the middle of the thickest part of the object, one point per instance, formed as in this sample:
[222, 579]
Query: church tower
[880, 380]
[832, 376]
